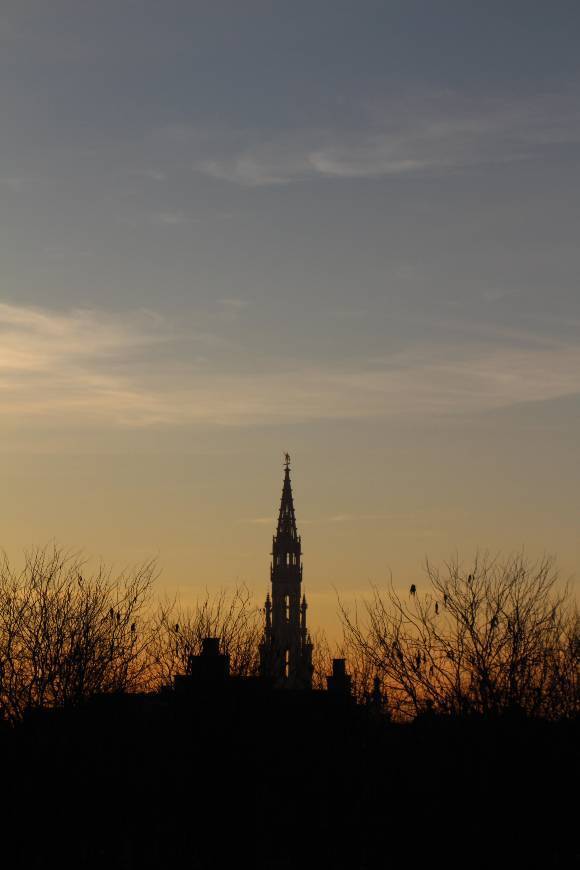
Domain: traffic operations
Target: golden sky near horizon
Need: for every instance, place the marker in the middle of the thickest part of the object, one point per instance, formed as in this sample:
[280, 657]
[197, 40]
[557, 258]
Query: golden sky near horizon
[366, 510]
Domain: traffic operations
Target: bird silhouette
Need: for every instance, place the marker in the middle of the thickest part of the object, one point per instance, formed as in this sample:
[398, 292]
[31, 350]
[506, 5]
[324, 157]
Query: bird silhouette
[413, 589]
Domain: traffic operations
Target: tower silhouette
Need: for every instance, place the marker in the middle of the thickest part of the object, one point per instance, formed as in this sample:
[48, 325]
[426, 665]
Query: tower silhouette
[286, 649]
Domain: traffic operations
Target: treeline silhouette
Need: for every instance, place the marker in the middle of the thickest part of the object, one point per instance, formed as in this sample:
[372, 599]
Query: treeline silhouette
[458, 746]
[500, 636]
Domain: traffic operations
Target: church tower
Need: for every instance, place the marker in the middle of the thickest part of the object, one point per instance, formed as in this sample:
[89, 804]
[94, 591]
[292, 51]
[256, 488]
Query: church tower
[286, 650]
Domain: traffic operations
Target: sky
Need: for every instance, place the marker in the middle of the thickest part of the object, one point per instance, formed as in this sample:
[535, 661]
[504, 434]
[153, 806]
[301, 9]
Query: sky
[347, 230]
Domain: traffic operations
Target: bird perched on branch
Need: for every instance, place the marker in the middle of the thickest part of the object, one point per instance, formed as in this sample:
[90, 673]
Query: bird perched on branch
[413, 589]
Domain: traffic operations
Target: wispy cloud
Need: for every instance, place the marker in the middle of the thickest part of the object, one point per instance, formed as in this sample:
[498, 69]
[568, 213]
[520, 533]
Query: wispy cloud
[233, 303]
[429, 132]
[53, 363]
[64, 252]
[400, 525]
[84, 366]
[169, 218]
[258, 521]
[348, 518]
[230, 308]
[151, 174]
[34, 338]
[331, 520]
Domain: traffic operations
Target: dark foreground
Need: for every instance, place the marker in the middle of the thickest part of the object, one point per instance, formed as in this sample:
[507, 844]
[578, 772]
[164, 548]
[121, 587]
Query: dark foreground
[250, 777]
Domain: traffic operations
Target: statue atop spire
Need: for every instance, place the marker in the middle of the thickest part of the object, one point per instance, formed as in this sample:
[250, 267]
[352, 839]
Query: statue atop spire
[286, 650]
[286, 531]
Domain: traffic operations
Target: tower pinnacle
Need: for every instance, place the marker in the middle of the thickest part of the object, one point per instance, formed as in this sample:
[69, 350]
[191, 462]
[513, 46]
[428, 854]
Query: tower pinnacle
[286, 651]
[287, 531]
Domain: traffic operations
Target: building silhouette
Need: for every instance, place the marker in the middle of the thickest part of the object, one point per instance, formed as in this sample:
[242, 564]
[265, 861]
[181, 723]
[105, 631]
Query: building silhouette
[286, 648]
[222, 770]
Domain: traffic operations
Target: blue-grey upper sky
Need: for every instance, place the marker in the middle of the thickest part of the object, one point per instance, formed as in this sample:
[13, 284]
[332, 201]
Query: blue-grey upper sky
[246, 225]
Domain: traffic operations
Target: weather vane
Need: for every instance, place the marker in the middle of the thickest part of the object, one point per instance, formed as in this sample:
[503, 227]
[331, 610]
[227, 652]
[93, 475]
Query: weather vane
[286, 460]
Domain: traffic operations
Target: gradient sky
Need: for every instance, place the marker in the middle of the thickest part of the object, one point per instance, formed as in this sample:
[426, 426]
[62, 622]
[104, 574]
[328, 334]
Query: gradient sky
[348, 230]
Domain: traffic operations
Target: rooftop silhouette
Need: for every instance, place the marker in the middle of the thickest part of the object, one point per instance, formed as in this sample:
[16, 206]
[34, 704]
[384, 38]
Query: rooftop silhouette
[227, 766]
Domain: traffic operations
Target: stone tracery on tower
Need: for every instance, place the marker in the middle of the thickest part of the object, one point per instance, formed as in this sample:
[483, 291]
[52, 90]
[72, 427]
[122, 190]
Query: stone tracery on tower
[286, 649]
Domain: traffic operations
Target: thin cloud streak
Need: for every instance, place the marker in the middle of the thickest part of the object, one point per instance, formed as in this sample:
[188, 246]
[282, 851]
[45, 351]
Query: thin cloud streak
[52, 363]
[335, 518]
[35, 339]
[427, 133]
[88, 366]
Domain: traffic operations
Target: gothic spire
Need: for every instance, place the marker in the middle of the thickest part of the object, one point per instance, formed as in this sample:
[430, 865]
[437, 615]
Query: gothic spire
[286, 650]
[287, 518]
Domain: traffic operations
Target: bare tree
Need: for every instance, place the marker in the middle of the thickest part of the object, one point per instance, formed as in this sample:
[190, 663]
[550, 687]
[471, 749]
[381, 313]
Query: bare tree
[322, 655]
[499, 636]
[177, 633]
[66, 634]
